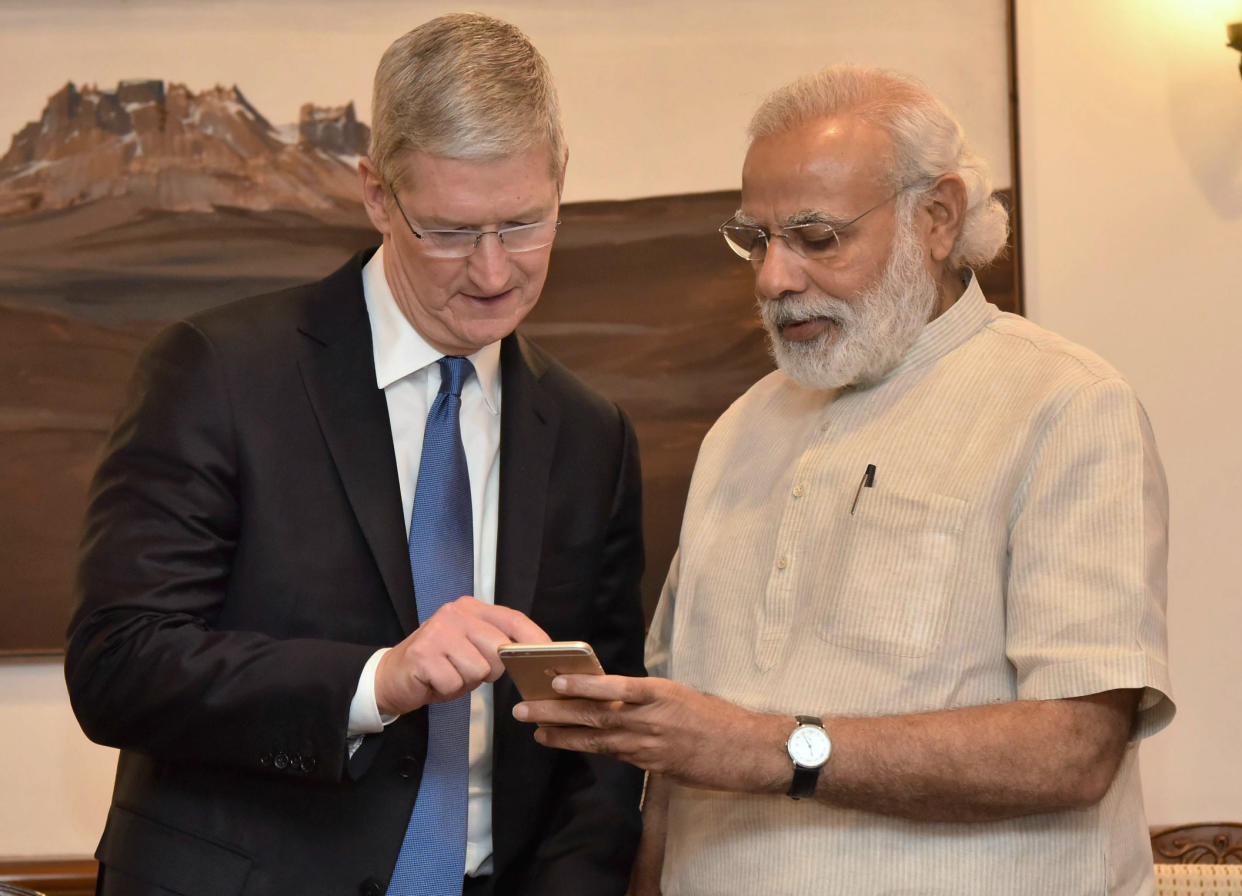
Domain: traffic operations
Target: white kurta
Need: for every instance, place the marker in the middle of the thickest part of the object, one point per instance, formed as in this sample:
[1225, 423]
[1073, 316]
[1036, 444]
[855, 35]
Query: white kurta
[1012, 546]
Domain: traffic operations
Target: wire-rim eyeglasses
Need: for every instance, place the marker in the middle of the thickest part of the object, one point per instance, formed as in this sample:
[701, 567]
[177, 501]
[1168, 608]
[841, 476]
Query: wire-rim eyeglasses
[461, 243]
[814, 240]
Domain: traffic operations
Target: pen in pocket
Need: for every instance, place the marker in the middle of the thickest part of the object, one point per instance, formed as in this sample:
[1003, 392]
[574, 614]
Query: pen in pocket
[868, 480]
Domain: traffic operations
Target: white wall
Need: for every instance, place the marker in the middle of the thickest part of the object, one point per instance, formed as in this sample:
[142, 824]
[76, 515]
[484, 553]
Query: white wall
[55, 785]
[1131, 167]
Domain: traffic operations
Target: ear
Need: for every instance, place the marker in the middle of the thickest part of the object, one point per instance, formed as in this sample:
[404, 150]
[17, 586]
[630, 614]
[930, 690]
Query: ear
[560, 184]
[945, 203]
[374, 196]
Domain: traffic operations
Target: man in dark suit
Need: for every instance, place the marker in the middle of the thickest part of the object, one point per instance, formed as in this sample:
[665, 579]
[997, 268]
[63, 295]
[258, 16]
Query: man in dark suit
[249, 631]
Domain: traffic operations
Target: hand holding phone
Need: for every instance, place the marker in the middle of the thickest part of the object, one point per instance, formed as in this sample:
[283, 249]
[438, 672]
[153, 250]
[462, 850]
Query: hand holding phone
[533, 666]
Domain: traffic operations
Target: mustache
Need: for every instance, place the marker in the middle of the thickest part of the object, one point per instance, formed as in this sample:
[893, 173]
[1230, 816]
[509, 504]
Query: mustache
[790, 308]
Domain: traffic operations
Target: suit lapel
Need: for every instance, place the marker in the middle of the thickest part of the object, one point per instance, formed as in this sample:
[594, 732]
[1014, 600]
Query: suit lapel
[338, 368]
[528, 427]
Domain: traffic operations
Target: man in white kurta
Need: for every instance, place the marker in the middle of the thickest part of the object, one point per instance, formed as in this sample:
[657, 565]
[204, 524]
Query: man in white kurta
[932, 546]
[1006, 550]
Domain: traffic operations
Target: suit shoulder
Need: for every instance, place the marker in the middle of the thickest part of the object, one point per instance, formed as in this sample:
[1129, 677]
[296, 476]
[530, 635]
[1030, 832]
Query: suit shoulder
[268, 322]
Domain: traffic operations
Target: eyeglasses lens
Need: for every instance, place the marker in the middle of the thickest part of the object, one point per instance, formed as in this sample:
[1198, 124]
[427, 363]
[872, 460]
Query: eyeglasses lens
[813, 240]
[461, 243]
[750, 243]
[449, 243]
[528, 237]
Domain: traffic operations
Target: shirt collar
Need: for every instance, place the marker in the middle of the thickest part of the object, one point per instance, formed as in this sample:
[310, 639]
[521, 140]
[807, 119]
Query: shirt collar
[959, 322]
[400, 350]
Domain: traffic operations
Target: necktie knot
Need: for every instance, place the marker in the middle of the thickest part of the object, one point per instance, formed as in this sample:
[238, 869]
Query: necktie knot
[453, 373]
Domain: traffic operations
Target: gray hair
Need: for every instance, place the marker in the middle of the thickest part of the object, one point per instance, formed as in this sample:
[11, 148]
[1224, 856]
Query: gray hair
[927, 142]
[463, 86]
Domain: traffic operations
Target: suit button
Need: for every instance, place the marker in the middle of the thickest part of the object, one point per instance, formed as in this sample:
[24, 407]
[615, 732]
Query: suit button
[307, 765]
[281, 761]
[265, 760]
[370, 887]
[407, 766]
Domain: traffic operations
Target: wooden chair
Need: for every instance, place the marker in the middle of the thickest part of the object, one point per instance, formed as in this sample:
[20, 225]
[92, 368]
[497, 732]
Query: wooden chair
[48, 876]
[1198, 860]
[1198, 844]
[15, 890]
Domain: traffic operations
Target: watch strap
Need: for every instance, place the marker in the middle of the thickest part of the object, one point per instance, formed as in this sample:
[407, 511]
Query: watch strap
[805, 779]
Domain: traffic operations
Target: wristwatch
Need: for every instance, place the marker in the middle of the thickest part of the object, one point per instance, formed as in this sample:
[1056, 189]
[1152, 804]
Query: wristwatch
[809, 748]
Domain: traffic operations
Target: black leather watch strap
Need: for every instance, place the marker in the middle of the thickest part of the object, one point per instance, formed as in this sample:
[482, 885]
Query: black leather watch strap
[805, 779]
[804, 782]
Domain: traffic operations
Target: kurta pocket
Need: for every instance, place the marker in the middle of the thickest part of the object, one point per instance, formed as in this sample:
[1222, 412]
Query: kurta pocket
[891, 571]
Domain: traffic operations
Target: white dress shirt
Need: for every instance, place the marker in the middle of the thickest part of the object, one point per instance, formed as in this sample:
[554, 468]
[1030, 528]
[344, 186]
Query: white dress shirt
[406, 369]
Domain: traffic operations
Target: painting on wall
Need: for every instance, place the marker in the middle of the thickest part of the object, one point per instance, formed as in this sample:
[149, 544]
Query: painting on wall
[126, 205]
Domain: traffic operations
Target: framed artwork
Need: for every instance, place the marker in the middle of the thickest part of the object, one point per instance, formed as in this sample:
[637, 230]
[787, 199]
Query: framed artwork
[165, 158]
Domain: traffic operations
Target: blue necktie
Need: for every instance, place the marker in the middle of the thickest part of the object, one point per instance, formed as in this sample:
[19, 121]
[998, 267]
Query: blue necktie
[432, 860]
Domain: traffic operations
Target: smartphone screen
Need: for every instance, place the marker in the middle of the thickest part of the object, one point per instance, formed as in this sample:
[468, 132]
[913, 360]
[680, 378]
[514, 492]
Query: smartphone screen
[533, 666]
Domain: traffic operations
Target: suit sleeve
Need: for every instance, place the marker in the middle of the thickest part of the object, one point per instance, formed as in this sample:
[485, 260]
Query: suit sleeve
[593, 848]
[147, 664]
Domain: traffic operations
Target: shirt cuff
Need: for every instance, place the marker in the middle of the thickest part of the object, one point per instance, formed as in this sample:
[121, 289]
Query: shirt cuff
[364, 715]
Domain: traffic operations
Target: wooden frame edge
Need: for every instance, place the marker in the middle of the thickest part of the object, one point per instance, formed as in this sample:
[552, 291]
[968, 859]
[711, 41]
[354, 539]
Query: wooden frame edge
[54, 876]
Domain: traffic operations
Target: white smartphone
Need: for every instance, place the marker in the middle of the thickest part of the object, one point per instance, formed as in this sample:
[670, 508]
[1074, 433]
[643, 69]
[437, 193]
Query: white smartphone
[533, 666]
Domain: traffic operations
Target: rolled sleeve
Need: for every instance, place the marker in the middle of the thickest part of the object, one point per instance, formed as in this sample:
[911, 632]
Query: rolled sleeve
[1089, 548]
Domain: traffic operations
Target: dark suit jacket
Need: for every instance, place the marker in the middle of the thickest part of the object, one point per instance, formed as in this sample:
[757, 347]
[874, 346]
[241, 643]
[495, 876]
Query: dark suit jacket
[244, 552]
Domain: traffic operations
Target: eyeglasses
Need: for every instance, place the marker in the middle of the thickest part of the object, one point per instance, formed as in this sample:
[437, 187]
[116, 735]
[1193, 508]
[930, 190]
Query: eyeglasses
[815, 240]
[462, 243]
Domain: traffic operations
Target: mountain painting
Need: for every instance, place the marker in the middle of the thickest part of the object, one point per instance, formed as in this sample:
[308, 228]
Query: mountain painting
[124, 208]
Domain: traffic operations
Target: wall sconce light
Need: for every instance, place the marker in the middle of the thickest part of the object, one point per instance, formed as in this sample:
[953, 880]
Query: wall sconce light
[1234, 31]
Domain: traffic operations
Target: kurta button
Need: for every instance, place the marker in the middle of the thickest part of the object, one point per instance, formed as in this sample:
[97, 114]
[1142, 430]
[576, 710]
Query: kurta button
[799, 490]
[281, 761]
[782, 562]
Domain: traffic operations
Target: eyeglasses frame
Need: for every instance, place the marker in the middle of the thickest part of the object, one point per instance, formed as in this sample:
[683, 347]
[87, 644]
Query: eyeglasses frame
[768, 235]
[478, 234]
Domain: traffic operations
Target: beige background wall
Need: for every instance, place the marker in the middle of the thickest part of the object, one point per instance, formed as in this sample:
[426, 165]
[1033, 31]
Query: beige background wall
[1132, 179]
[1131, 139]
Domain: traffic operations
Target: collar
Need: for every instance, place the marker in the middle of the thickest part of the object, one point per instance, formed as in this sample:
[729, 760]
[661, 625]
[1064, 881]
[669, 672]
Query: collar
[400, 350]
[960, 321]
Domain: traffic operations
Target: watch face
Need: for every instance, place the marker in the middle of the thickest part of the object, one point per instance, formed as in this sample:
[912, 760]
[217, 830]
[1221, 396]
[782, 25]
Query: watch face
[809, 746]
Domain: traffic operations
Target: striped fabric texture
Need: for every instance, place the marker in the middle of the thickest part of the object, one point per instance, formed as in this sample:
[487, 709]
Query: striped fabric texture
[1011, 545]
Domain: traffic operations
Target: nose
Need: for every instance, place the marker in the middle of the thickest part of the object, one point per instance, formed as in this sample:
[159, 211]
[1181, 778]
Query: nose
[490, 265]
[781, 271]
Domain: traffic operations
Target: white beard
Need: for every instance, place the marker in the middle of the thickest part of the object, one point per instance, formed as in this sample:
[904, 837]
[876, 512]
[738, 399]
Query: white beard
[868, 335]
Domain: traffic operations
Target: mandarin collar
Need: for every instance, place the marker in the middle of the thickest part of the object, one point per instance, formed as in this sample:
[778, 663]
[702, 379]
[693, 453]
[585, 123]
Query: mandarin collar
[958, 323]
